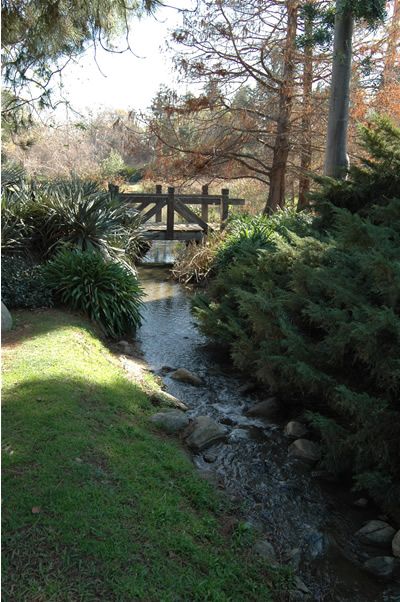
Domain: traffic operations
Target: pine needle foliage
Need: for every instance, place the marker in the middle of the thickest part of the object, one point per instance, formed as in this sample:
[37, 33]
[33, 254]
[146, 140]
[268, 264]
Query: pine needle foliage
[40, 37]
[316, 316]
[373, 180]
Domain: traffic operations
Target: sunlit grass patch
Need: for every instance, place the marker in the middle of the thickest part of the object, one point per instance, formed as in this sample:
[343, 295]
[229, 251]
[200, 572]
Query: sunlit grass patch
[97, 506]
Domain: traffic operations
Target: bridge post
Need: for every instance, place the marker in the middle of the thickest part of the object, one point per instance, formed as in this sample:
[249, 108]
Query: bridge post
[204, 206]
[170, 212]
[159, 211]
[224, 206]
[113, 188]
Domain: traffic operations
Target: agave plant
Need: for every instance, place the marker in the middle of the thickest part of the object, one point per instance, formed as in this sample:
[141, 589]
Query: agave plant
[87, 218]
[16, 198]
[74, 213]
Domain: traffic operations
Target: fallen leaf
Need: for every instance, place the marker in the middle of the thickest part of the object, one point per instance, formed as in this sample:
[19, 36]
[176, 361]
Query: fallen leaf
[36, 510]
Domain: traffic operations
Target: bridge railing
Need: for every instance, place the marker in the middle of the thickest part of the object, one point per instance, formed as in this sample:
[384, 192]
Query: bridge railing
[151, 205]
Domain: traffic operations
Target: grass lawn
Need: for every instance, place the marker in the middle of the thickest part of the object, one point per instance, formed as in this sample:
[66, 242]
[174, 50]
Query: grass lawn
[97, 505]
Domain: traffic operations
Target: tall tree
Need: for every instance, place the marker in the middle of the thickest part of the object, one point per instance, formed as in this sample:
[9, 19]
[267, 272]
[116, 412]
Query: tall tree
[248, 43]
[313, 42]
[336, 160]
[277, 180]
[305, 161]
[392, 63]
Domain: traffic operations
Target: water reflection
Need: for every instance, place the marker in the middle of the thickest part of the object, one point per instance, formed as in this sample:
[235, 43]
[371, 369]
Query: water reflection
[162, 252]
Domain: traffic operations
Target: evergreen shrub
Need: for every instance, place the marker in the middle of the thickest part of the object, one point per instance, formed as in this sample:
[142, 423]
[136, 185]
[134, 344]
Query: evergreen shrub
[23, 284]
[316, 316]
[108, 292]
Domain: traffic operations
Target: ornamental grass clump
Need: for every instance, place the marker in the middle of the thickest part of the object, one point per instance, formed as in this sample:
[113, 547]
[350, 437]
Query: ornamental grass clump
[108, 292]
[194, 263]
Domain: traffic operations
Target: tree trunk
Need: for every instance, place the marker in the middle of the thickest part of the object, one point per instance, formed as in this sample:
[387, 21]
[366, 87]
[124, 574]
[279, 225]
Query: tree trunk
[391, 57]
[276, 195]
[305, 164]
[336, 160]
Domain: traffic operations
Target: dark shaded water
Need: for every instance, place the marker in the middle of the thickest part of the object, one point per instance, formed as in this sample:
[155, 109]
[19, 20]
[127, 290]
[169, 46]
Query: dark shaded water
[295, 510]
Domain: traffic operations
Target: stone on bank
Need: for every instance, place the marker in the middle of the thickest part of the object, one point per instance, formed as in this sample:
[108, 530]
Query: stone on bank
[171, 421]
[6, 319]
[205, 432]
[185, 376]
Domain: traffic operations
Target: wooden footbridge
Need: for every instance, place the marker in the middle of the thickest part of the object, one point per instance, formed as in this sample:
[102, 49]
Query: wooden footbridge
[153, 207]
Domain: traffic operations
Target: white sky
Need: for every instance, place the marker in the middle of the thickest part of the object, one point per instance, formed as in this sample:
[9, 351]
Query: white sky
[124, 81]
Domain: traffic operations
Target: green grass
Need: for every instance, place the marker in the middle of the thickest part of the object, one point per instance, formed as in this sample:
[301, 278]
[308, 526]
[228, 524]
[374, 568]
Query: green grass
[122, 513]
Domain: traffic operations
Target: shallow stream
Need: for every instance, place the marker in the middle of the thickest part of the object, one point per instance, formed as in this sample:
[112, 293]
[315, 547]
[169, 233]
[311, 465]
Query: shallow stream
[304, 517]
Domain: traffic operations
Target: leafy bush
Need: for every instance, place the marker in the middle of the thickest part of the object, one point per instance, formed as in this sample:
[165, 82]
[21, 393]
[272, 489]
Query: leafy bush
[131, 174]
[23, 284]
[246, 235]
[40, 217]
[243, 238]
[112, 165]
[317, 317]
[107, 292]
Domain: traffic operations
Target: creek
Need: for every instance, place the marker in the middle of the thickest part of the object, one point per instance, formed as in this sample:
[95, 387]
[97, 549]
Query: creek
[306, 518]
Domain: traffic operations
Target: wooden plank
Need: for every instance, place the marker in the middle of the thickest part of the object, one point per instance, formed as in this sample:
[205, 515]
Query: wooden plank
[190, 216]
[159, 212]
[224, 206]
[159, 205]
[162, 235]
[140, 206]
[212, 199]
[204, 205]
[170, 213]
[155, 227]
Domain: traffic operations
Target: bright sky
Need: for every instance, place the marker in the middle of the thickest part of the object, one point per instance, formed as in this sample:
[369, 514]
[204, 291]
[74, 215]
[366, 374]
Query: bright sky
[123, 81]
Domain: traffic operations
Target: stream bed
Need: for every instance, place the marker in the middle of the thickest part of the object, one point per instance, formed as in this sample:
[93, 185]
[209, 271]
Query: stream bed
[308, 520]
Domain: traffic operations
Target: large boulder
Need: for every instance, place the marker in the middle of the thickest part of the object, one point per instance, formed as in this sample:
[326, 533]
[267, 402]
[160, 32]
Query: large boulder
[163, 398]
[316, 544]
[384, 567]
[172, 421]
[185, 376]
[6, 319]
[293, 558]
[205, 432]
[265, 549]
[264, 409]
[295, 429]
[376, 532]
[396, 544]
[300, 591]
[210, 456]
[305, 450]
[126, 347]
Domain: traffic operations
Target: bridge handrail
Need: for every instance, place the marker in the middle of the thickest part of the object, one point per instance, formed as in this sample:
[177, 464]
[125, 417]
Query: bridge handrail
[178, 202]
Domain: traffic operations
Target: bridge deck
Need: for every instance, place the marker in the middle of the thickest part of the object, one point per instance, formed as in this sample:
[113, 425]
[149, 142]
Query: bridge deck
[158, 231]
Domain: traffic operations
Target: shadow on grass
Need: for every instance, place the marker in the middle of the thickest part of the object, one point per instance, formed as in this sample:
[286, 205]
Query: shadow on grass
[97, 506]
[36, 322]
